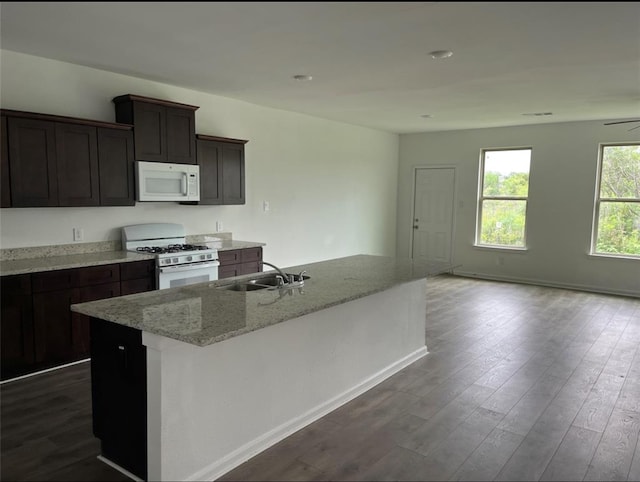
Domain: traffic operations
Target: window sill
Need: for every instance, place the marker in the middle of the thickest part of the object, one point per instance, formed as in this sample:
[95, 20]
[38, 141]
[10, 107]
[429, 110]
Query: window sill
[615, 256]
[508, 249]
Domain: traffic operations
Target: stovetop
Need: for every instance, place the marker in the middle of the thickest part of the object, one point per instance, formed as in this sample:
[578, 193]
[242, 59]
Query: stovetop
[167, 242]
[172, 248]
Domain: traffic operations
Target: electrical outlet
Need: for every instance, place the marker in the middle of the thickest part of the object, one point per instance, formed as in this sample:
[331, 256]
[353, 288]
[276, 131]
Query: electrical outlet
[218, 226]
[266, 206]
[78, 234]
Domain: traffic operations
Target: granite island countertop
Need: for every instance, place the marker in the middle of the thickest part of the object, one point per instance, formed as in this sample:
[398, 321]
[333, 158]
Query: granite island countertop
[49, 258]
[202, 314]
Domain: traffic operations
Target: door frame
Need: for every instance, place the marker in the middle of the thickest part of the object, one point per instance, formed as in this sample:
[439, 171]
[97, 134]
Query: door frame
[455, 203]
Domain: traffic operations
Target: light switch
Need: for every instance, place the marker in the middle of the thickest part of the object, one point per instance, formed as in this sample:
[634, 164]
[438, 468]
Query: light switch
[266, 206]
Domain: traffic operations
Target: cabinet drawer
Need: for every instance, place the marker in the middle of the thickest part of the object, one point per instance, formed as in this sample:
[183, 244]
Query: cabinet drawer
[232, 256]
[98, 292]
[251, 255]
[16, 285]
[52, 280]
[137, 269]
[94, 275]
[140, 285]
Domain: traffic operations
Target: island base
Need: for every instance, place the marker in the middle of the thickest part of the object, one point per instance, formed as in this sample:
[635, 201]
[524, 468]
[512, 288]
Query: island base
[209, 409]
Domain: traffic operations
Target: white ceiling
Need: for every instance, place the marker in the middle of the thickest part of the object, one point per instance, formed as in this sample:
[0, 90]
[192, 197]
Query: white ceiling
[369, 60]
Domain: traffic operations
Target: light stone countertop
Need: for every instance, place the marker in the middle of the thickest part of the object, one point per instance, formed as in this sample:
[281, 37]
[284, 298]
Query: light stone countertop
[50, 258]
[51, 263]
[201, 314]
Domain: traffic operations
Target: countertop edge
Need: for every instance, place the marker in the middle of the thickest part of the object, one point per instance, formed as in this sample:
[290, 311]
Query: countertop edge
[84, 260]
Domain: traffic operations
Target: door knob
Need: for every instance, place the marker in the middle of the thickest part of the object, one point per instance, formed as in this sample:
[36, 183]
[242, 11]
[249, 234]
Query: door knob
[415, 227]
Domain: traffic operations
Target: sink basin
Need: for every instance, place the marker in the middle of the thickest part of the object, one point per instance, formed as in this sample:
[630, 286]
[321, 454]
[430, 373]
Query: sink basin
[262, 282]
[272, 279]
[244, 287]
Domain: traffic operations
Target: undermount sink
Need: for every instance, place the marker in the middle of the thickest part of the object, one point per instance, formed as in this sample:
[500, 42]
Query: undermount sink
[267, 281]
[244, 287]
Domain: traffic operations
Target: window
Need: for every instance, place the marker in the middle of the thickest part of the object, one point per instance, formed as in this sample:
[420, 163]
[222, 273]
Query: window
[617, 211]
[504, 190]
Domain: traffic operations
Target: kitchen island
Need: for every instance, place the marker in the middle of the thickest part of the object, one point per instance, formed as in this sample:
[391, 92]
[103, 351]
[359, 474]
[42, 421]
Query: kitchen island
[190, 382]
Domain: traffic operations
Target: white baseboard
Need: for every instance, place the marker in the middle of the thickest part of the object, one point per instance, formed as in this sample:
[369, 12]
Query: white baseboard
[44, 371]
[253, 448]
[119, 469]
[551, 284]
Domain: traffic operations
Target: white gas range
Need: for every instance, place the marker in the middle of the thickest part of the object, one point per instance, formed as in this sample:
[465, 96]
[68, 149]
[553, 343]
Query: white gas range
[177, 263]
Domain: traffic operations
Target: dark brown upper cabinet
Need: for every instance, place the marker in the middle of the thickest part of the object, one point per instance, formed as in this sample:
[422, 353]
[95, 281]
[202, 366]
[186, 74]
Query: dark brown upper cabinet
[64, 161]
[77, 165]
[221, 161]
[115, 153]
[4, 173]
[32, 162]
[163, 131]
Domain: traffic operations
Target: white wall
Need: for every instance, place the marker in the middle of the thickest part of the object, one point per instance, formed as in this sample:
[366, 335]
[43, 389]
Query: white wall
[332, 186]
[560, 211]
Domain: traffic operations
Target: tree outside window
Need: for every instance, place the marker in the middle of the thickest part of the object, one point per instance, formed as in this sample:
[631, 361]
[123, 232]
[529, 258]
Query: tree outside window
[504, 191]
[617, 212]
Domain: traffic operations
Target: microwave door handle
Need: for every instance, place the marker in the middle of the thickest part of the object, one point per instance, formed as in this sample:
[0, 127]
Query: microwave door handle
[185, 185]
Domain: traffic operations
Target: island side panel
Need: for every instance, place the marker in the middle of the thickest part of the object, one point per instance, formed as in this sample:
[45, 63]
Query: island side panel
[212, 408]
[119, 394]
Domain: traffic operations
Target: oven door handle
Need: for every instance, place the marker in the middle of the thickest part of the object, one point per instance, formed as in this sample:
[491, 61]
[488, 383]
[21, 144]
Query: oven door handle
[189, 267]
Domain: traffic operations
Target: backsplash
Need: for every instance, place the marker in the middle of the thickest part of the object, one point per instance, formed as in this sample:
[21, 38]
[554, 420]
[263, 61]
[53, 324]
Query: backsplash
[12, 254]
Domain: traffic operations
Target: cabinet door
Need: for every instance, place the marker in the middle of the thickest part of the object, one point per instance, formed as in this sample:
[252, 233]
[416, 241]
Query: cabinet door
[77, 165]
[80, 331]
[53, 326]
[137, 277]
[233, 174]
[209, 156]
[119, 397]
[4, 173]
[149, 132]
[248, 268]
[32, 162]
[228, 271]
[181, 135]
[115, 161]
[17, 326]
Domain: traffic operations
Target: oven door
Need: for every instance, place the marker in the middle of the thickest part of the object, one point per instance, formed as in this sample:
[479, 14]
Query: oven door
[187, 274]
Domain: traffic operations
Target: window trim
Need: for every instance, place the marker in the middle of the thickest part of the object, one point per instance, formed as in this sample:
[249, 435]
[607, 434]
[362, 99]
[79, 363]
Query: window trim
[482, 198]
[598, 200]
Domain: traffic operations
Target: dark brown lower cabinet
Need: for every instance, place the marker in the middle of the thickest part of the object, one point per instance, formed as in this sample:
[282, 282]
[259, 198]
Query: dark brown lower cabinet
[53, 334]
[236, 262]
[16, 326]
[137, 277]
[80, 323]
[119, 394]
[40, 331]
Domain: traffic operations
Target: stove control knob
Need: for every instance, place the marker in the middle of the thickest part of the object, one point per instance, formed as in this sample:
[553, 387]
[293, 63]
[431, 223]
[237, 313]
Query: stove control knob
[175, 260]
[189, 258]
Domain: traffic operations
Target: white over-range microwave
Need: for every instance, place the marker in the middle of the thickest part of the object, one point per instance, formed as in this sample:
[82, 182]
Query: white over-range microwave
[162, 181]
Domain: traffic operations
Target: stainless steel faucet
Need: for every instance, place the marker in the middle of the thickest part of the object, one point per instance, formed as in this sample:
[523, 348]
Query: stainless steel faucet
[282, 273]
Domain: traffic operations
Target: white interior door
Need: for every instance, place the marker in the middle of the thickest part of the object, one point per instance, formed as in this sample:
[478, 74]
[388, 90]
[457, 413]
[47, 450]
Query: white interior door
[433, 213]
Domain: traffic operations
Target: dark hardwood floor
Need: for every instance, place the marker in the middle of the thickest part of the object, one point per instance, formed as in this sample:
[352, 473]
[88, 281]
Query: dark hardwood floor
[520, 383]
